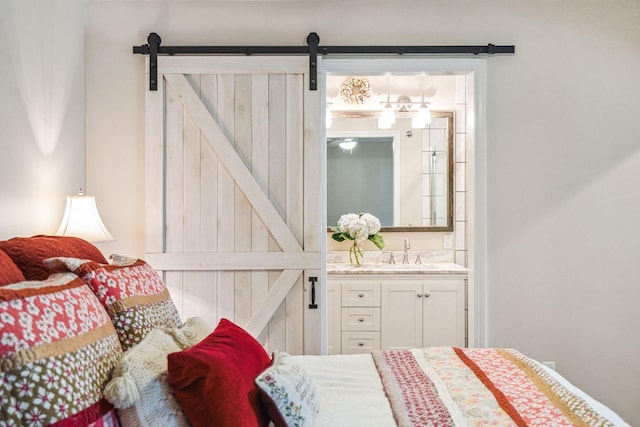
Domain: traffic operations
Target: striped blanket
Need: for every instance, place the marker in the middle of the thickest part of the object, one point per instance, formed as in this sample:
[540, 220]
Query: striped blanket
[468, 387]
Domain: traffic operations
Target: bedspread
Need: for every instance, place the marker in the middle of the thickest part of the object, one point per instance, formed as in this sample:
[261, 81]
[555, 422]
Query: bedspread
[469, 387]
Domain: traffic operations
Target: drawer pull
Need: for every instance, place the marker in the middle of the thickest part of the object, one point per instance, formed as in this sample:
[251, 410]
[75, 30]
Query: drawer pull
[360, 344]
[361, 319]
[360, 295]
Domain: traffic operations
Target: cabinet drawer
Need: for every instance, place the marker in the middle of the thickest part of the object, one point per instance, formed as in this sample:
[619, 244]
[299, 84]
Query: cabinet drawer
[361, 294]
[361, 319]
[360, 342]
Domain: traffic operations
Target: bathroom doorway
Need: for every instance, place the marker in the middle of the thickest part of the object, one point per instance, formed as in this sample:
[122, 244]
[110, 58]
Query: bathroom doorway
[418, 79]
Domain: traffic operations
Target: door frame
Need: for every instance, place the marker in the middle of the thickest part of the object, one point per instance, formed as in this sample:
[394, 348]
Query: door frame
[475, 69]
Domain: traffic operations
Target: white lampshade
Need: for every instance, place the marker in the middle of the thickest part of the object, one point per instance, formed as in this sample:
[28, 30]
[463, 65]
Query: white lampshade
[81, 219]
[422, 117]
[388, 115]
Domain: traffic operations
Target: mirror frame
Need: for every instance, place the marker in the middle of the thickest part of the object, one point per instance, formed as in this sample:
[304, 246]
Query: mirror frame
[450, 169]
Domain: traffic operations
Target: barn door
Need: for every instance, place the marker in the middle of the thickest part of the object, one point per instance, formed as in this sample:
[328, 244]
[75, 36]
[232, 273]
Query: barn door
[233, 173]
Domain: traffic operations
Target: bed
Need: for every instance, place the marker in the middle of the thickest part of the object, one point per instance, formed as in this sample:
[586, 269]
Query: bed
[84, 342]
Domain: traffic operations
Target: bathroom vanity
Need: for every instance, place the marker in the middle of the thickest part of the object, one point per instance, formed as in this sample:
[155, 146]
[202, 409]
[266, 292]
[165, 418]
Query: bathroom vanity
[377, 306]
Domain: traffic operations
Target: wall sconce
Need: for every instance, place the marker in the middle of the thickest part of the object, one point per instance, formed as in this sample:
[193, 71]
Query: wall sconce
[81, 219]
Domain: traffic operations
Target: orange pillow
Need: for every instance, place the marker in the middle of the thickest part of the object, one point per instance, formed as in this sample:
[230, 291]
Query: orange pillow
[213, 381]
[9, 271]
[28, 253]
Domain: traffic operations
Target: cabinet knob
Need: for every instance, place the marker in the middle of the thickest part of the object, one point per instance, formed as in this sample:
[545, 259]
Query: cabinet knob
[360, 295]
[427, 295]
[361, 319]
[360, 344]
[419, 295]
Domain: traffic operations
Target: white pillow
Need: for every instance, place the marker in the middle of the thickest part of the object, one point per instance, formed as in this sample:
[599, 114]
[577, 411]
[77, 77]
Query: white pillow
[288, 392]
[139, 388]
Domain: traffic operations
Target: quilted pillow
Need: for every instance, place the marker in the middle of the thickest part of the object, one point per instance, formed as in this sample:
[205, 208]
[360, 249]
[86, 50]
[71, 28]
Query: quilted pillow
[57, 350]
[9, 271]
[221, 368]
[139, 387]
[134, 295]
[288, 392]
[28, 253]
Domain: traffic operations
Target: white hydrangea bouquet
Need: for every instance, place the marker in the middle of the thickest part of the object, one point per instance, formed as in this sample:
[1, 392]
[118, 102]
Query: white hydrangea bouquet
[358, 227]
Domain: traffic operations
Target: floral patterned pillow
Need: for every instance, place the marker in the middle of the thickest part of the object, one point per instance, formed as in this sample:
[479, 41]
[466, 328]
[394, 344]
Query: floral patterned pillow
[288, 392]
[58, 348]
[131, 291]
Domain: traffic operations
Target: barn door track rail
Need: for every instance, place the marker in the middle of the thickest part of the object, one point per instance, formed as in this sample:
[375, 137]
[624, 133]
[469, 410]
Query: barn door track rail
[313, 49]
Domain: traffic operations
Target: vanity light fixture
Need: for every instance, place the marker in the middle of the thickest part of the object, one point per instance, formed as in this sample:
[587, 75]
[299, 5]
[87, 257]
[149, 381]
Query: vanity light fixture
[420, 120]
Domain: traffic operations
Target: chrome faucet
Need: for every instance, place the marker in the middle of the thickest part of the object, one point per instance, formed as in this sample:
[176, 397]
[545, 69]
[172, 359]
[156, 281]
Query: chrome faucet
[405, 256]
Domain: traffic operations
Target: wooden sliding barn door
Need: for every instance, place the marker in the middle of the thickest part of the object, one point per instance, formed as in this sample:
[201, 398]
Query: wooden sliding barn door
[233, 199]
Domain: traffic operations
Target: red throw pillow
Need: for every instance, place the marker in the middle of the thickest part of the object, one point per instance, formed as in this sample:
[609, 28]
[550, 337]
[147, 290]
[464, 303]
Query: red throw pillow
[9, 271]
[213, 381]
[28, 253]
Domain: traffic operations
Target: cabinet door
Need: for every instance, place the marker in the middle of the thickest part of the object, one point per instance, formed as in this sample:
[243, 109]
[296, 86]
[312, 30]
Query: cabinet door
[333, 317]
[443, 315]
[401, 318]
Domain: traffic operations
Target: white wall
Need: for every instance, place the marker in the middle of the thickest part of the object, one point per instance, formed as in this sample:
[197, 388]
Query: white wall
[42, 113]
[562, 150]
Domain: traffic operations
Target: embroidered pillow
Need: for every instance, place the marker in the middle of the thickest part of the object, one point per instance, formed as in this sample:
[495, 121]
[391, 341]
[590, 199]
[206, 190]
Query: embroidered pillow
[213, 380]
[288, 393]
[57, 350]
[134, 295]
[9, 271]
[139, 387]
[28, 253]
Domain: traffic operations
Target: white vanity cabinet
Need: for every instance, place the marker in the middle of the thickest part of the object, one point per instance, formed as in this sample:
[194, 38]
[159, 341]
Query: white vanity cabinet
[423, 313]
[376, 312]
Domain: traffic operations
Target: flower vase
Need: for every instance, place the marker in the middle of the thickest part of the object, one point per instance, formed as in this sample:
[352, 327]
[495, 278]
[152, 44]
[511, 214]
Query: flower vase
[355, 253]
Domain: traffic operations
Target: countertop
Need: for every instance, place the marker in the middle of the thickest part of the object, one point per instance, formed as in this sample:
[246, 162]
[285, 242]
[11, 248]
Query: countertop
[429, 268]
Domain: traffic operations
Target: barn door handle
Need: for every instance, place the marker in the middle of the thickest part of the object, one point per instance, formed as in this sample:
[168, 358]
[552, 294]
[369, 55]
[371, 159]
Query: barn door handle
[313, 280]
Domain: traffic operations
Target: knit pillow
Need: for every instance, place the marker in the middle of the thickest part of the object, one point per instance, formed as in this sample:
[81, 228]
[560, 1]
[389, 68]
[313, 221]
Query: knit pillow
[9, 271]
[139, 387]
[29, 252]
[134, 295]
[57, 350]
[288, 392]
[213, 380]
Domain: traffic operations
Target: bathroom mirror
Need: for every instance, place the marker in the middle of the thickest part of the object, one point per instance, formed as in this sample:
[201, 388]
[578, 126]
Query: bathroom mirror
[402, 175]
